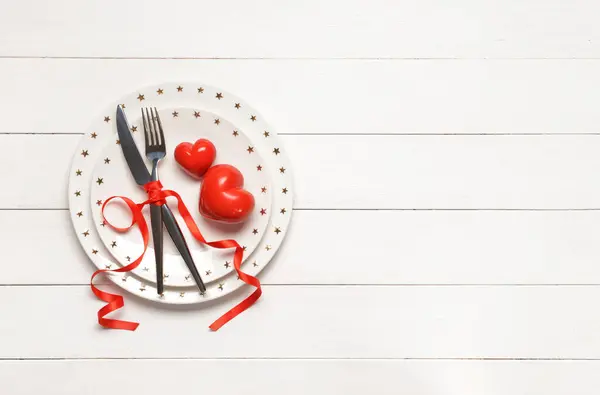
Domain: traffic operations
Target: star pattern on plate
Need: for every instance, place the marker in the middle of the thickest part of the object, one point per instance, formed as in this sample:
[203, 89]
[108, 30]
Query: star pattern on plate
[227, 264]
[277, 230]
[221, 285]
[276, 151]
[217, 121]
[106, 161]
[106, 119]
[283, 211]
[98, 202]
[219, 96]
[84, 153]
[100, 181]
[94, 251]
[133, 129]
[175, 114]
[284, 190]
[235, 133]
[93, 135]
[253, 118]
[197, 114]
[263, 211]
[250, 149]
[259, 168]
[141, 97]
[254, 231]
[86, 233]
[180, 88]
[268, 247]
[78, 172]
[123, 106]
[77, 193]
[80, 214]
[201, 90]
[266, 134]
[160, 91]
[254, 264]
[237, 105]
[263, 190]
[208, 272]
[282, 170]
[113, 244]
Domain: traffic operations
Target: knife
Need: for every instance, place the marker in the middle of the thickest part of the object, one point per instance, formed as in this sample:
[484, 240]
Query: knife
[142, 176]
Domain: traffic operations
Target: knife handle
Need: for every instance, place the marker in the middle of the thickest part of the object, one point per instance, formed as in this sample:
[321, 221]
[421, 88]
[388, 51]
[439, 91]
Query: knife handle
[180, 243]
[157, 235]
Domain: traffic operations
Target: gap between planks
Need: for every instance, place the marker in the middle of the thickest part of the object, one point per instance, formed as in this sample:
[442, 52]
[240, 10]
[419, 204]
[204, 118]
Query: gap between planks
[290, 359]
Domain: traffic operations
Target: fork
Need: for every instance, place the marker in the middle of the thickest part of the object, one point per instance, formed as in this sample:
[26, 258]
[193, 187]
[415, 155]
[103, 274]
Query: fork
[159, 214]
[155, 151]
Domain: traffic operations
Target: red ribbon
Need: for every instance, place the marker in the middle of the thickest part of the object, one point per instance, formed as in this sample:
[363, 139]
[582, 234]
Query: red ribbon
[156, 195]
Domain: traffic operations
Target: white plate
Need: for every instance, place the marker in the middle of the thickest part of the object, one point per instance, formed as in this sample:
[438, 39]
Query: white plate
[242, 139]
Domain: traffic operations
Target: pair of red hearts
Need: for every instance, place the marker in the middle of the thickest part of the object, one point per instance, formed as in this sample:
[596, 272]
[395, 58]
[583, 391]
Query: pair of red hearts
[222, 195]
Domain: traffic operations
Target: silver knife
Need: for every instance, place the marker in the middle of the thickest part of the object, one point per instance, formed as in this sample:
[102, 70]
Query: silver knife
[142, 176]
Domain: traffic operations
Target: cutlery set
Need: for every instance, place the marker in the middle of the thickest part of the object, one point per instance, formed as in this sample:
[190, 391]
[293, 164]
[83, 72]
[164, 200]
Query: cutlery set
[159, 213]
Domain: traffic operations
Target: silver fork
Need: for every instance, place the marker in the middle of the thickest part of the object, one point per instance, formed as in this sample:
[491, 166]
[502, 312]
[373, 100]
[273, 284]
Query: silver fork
[155, 151]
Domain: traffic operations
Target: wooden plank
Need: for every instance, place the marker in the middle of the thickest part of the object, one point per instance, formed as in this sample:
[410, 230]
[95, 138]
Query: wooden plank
[361, 247]
[323, 97]
[314, 322]
[351, 377]
[362, 172]
[268, 28]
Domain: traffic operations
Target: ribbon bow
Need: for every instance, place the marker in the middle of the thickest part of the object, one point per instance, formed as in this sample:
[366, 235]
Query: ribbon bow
[157, 195]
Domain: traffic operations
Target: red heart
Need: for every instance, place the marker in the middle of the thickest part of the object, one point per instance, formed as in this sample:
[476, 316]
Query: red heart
[195, 159]
[222, 196]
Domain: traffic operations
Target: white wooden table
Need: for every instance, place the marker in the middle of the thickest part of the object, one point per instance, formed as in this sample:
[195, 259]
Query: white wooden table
[447, 222]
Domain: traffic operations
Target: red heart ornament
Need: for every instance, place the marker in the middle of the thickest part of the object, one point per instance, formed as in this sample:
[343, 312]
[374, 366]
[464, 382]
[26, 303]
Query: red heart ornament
[222, 196]
[197, 158]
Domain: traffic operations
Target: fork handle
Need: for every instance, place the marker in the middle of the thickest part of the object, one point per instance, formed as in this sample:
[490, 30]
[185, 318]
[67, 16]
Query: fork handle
[157, 235]
[180, 243]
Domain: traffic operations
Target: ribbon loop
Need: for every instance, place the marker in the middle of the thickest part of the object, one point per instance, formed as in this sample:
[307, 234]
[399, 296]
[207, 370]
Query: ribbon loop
[156, 195]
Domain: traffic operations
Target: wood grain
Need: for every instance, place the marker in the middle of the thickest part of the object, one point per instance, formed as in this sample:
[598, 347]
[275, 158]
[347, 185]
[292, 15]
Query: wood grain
[361, 247]
[321, 96]
[270, 28]
[351, 377]
[314, 322]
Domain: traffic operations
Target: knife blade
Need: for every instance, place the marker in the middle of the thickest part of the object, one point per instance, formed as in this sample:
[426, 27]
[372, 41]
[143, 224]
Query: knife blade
[134, 159]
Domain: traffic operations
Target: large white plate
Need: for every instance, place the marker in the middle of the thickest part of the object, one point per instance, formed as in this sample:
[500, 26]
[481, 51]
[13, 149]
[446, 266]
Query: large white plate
[242, 138]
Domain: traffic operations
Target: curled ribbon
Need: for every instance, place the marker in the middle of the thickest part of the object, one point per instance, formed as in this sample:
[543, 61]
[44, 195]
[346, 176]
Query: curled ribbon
[156, 195]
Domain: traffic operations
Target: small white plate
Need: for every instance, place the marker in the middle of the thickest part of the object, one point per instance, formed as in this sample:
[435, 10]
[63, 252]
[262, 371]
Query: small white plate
[188, 112]
[114, 179]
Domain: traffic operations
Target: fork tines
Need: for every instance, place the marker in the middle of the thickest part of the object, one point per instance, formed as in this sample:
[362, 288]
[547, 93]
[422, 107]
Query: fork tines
[153, 129]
